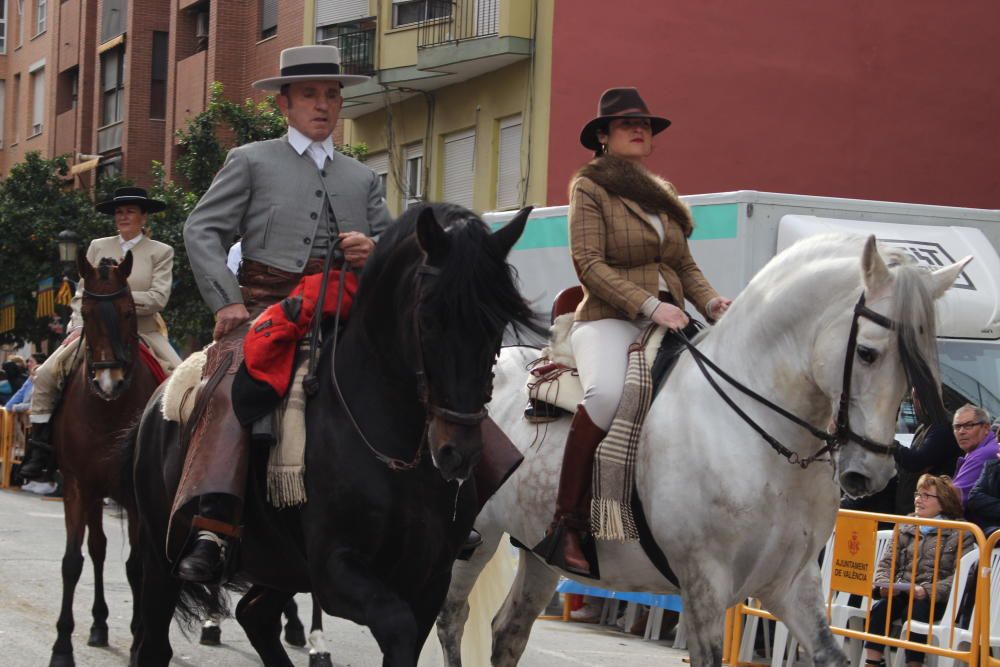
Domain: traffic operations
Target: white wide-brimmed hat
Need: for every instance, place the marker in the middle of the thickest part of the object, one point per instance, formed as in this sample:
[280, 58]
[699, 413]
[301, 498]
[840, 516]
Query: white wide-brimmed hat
[309, 63]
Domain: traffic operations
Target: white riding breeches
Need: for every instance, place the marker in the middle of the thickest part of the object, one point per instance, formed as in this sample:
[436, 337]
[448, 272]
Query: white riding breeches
[601, 351]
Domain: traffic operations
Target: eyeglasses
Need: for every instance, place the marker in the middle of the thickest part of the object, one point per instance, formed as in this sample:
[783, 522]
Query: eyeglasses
[965, 426]
[922, 496]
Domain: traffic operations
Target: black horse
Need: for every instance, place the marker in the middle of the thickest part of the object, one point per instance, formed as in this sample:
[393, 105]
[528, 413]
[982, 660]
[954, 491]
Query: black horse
[387, 511]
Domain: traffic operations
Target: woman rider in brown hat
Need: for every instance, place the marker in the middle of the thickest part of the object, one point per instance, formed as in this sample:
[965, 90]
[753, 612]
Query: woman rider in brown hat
[628, 236]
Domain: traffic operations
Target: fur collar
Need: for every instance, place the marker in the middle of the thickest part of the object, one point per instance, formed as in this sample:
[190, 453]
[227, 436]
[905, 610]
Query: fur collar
[623, 178]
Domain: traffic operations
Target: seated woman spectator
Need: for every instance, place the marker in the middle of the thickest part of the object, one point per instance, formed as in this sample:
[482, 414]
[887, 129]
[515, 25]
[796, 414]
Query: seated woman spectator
[935, 498]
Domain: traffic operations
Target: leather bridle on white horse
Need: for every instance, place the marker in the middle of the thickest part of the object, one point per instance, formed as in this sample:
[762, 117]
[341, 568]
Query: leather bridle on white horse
[843, 433]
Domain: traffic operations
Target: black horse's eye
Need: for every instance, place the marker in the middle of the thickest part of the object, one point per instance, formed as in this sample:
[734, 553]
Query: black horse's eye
[867, 355]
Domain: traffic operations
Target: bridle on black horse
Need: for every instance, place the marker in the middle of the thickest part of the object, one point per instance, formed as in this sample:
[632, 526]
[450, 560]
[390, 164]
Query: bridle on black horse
[843, 432]
[423, 272]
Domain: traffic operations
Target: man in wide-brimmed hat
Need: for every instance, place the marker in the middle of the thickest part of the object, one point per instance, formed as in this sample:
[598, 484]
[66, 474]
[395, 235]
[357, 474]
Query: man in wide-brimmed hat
[150, 281]
[290, 199]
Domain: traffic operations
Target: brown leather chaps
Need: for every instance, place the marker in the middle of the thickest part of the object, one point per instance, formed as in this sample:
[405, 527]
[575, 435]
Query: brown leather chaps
[213, 482]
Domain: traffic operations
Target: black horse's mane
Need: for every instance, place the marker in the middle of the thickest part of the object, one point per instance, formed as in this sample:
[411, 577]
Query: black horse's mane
[476, 289]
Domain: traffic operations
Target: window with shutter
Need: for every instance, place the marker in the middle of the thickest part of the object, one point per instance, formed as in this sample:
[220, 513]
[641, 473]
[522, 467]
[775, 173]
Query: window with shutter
[459, 168]
[379, 163]
[329, 12]
[509, 164]
[37, 101]
[268, 18]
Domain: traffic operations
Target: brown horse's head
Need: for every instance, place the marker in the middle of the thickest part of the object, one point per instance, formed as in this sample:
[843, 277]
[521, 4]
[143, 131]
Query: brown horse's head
[109, 324]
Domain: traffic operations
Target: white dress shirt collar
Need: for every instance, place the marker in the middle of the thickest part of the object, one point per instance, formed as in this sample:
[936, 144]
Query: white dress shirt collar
[319, 151]
[128, 245]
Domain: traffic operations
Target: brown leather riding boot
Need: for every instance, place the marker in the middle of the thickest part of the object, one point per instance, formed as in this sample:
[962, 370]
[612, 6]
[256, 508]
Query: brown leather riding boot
[561, 546]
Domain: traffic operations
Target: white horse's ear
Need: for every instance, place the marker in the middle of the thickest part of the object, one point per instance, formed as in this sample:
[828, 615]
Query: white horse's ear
[943, 278]
[876, 273]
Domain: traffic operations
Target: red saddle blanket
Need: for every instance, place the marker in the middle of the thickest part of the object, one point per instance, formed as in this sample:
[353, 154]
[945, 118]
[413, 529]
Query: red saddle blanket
[154, 366]
[269, 346]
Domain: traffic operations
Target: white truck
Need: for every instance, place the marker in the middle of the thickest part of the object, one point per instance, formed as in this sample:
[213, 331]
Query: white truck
[736, 233]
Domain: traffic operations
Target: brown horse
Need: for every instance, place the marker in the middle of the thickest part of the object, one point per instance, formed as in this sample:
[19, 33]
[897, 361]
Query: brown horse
[103, 396]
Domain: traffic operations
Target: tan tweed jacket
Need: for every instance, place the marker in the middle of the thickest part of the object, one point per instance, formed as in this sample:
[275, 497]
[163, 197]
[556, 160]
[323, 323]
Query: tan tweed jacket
[618, 256]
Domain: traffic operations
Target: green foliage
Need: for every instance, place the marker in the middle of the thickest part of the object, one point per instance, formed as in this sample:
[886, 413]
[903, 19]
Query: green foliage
[35, 205]
[202, 147]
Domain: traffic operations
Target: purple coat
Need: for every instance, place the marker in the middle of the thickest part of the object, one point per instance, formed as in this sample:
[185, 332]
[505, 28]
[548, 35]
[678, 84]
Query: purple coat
[968, 467]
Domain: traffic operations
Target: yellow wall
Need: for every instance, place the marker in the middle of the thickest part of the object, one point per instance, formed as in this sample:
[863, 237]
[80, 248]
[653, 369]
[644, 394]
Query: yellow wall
[479, 103]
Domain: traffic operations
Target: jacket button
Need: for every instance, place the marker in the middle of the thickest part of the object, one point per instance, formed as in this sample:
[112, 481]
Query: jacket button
[657, 259]
[323, 173]
[307, 241]
[319, 193]
[298, 262]
[313, 216]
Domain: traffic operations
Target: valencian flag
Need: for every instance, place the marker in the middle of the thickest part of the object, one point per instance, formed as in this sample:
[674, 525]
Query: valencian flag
[64, 296]
[46, 299]
[7, 313]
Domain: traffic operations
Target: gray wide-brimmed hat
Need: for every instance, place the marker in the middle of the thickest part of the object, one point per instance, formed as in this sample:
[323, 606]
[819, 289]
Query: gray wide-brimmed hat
[309, 63]
[130, 195]
[619, 103]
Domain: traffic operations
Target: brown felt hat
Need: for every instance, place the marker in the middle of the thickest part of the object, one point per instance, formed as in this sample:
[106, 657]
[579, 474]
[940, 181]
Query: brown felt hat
[619, 103]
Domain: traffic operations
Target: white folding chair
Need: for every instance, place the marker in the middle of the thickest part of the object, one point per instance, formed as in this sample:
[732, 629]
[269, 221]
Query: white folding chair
[941, 632]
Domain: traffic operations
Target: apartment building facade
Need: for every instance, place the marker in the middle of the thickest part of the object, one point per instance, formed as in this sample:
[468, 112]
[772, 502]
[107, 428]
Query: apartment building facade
[457, 107]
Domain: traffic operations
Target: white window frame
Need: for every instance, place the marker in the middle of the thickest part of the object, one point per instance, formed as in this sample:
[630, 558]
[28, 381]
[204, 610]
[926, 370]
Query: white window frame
[413, 154]
[506, 200]
[424, 15]
[41, 16]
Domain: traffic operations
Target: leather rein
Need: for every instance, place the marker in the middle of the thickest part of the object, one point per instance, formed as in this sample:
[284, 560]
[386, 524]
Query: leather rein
[423, 390]
[843, 433]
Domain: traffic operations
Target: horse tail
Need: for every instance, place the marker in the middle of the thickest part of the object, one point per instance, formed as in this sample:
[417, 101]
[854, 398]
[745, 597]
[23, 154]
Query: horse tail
[198, 602]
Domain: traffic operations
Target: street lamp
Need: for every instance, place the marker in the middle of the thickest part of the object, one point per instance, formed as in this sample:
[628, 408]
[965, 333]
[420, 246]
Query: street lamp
[69, 245]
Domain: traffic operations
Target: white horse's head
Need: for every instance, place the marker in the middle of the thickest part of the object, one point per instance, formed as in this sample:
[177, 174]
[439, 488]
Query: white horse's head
[895, 349]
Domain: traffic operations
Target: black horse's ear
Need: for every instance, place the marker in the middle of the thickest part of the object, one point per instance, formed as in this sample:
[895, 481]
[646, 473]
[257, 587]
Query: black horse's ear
[432, 238]
[125, 266]
[83, 265]
[505, 237]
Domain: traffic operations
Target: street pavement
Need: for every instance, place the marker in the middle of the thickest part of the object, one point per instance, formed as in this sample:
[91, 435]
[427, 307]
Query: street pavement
[32, 540]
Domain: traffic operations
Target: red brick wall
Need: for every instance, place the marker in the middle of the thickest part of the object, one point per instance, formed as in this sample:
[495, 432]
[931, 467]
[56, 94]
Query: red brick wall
[890, 100]
[143, 137]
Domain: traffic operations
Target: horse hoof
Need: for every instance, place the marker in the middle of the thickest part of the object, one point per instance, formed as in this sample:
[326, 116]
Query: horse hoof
[320, 660]
[295, 635]
[98, 636]
[211, 635]
[62, 660]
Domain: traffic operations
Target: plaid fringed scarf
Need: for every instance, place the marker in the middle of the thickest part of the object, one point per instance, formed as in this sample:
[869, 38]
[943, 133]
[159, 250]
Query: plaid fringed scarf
[614, 464]
[286, 465]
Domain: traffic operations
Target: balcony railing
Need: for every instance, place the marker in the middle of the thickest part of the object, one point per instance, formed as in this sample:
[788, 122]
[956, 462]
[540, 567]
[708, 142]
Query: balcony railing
[450, 21]
[357, 51]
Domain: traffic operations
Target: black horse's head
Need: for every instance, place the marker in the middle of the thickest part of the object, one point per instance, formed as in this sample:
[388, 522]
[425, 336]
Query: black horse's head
[109, 324]
[452, 296]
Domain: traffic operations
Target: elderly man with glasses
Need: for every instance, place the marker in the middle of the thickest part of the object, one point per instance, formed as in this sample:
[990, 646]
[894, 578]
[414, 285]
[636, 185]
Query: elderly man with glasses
[972, 431]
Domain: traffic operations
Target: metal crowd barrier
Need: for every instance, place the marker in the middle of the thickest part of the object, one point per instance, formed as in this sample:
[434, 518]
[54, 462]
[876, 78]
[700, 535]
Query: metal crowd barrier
[13, 427]
[945, 637]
